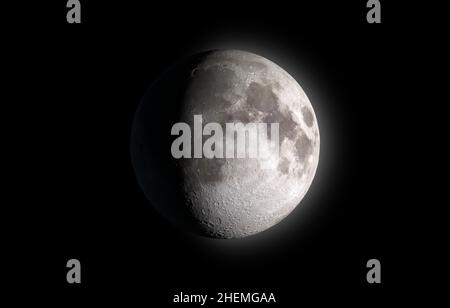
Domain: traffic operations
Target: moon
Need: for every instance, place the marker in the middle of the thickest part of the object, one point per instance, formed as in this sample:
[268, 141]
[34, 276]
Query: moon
[225, 197]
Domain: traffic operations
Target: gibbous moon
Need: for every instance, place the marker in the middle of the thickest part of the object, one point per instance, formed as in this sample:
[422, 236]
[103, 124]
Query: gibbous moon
[225, 197]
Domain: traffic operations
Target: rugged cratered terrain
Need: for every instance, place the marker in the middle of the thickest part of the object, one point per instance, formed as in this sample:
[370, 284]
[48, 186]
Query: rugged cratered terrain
[226, 197]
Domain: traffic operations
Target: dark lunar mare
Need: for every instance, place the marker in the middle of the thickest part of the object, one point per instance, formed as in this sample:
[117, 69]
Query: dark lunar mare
[156, 170]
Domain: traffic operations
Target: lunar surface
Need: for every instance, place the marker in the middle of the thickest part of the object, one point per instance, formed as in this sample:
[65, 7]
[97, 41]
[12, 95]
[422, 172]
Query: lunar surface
[225, 197]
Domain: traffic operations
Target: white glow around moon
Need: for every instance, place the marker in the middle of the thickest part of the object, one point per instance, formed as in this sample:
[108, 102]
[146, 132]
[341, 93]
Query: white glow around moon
[225, 197]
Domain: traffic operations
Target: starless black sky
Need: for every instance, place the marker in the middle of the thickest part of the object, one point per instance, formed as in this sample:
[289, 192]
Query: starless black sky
[82, 84]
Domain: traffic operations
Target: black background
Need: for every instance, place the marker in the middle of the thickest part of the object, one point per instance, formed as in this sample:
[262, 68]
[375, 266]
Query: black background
[80, 86]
